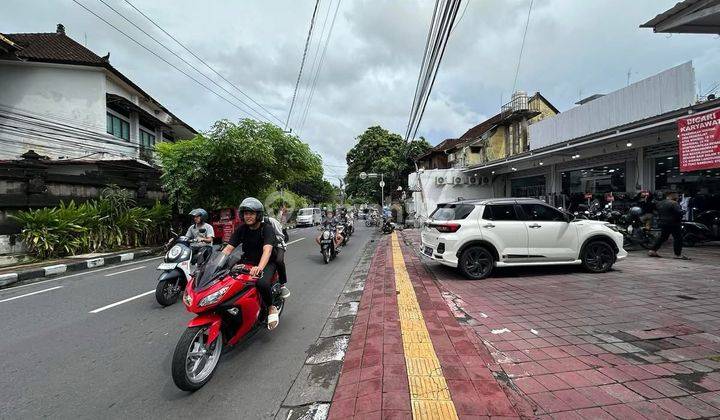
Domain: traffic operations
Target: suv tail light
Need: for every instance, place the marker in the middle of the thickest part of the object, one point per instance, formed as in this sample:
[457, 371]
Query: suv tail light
[446, 227]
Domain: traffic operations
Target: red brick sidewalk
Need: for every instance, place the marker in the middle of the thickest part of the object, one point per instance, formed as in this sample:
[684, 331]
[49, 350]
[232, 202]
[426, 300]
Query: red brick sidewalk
[374, 381]
[642, 341]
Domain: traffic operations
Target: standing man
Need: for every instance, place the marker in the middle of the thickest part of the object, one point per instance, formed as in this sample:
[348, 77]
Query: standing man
[669, 216]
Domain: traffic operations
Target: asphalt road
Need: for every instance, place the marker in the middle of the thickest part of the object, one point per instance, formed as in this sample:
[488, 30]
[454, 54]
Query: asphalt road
[62, 360]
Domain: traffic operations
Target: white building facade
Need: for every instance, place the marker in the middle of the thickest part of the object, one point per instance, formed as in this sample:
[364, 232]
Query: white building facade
[65, 102]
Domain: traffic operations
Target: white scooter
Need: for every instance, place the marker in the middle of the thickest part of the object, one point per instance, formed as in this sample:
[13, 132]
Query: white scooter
[177, 268]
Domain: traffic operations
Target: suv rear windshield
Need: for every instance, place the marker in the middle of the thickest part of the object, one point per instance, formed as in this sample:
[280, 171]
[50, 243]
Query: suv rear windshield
[452, 211]
[305, 212]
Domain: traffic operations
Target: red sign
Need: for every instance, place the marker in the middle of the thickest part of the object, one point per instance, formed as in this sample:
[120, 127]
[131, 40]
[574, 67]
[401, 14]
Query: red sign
[699, 138]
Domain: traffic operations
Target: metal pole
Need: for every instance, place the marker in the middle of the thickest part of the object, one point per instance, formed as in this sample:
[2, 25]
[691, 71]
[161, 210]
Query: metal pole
[382, 192]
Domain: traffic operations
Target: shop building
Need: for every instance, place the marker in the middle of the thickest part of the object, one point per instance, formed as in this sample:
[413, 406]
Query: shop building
[614, 145]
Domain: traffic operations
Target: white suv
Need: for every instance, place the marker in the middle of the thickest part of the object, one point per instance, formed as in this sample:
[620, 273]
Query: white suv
[476, 236]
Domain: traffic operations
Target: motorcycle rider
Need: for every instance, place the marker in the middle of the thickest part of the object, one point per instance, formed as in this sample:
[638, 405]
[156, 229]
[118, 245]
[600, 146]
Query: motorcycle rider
[202, 239]
[330, 221]
[258, 244]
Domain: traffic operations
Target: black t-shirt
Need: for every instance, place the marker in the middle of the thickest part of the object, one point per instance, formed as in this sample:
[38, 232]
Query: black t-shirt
[253, 241]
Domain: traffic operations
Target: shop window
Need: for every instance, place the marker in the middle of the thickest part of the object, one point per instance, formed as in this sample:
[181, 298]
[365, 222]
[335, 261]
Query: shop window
[669, 177]
[500, 212]
[532, 186]
[600, 179]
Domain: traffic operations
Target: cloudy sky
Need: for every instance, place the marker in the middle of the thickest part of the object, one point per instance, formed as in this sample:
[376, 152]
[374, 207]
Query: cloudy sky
[574, 48]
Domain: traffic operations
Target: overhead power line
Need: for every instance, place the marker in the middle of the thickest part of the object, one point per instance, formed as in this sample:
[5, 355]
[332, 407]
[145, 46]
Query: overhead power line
[258, 114]
[441, 26]
[302, 62]
[522, 47]
[204, 62]
[319, 69]
[308, 82]
[160, 57]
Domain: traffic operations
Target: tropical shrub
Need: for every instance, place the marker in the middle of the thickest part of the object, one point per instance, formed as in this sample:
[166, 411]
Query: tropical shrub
[110, 222]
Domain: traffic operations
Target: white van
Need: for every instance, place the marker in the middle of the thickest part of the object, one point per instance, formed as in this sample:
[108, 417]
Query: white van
[309, 216]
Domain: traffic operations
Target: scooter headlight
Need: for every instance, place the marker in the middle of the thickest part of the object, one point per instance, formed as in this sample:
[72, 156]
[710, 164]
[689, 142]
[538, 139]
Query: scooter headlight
[174, 252]
[326, 235]
[213, 297]
[187, 299]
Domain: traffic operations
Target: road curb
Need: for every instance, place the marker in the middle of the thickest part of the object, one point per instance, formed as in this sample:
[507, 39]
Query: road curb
[9, 279]
[311, 393]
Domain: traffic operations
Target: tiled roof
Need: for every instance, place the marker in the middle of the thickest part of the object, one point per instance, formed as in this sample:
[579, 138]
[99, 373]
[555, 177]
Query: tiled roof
[54, 48]
[480, 129]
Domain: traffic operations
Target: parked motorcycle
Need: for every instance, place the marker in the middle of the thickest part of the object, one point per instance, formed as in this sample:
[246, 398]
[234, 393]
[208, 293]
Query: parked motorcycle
[228, 307]
[327, 244]
[694, 233]
[633, 229]
[388, 226]
[711, 219]
[177, 267]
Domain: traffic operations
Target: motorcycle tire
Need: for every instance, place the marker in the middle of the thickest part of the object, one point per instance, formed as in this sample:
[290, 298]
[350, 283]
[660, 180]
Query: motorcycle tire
[163, 293]
[179, 360]
[326, 256]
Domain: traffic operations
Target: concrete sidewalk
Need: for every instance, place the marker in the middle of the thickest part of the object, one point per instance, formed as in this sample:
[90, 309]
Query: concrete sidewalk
[409, 357]
[642, 341]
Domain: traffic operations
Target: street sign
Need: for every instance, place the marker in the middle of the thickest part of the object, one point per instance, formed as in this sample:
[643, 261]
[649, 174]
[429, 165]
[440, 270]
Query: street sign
[382, 184]
[363, 175]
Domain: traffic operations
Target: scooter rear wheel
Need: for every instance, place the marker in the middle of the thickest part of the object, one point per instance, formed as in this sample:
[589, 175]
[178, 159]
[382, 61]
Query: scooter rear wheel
[194, 362]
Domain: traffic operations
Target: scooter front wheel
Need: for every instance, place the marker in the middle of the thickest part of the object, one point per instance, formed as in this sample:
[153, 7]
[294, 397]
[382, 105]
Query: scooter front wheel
[326, 256]
[167, 292]
[194, 361]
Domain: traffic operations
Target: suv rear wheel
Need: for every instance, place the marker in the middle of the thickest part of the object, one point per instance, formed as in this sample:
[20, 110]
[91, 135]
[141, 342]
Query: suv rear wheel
[476, 263]
[598, 256]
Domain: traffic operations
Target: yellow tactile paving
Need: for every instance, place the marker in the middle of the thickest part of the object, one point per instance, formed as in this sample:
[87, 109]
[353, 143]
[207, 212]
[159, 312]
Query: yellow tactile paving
[429, 394]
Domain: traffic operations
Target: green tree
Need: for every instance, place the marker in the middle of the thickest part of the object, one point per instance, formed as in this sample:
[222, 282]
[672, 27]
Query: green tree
[381, 151]
[233, 161]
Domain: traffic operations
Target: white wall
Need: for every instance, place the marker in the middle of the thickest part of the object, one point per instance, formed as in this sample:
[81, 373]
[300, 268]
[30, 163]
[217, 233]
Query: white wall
[435, 194]
[56, 110]
[72, 93]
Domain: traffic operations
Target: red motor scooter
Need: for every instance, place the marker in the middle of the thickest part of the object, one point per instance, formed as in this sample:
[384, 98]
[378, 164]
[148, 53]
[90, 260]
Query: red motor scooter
[228, 307]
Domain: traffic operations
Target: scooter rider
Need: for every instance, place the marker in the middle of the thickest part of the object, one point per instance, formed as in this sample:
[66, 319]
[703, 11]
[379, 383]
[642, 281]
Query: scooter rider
[329, 220]
[201, 239]
[258, 245]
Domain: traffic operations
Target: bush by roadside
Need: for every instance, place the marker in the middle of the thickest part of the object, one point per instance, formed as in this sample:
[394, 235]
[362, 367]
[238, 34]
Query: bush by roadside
[111, 222]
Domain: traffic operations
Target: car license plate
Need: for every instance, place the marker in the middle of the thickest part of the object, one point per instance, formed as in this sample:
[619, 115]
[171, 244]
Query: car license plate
[428, 251]
[167, 266]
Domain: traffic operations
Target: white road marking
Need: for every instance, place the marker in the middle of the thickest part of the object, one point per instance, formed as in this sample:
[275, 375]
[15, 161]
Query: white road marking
[112, 305]
[30, 294]
[81, 273]
[296, 240]
[125, 271]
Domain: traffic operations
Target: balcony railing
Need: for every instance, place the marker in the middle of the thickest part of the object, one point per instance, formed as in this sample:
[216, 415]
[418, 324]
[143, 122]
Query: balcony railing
[520, 106]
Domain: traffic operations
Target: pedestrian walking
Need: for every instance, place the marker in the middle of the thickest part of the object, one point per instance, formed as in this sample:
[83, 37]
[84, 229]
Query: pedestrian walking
[669, 214]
